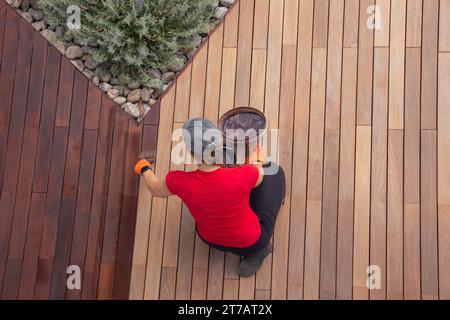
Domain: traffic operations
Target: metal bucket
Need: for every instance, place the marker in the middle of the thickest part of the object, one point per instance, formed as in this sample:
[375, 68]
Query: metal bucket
[251, 122]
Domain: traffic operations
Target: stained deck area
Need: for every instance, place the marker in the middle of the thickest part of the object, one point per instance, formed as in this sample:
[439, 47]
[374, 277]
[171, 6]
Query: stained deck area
[364, 139]
[68, 196]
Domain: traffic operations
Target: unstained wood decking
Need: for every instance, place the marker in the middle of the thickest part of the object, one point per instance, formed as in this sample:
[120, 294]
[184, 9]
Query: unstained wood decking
[364, 139]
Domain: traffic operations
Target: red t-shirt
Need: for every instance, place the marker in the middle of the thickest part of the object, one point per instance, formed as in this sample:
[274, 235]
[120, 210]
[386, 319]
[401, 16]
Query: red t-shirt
[219, 201]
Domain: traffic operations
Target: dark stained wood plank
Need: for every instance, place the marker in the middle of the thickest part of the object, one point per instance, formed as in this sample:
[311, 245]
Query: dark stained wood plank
[31, 250]
[14, 147]
[8, 67]
[99, 200]
[2, 29]
[114, 203]
[65, 94]
[47, 120]
[128, 214]
[83, 206]
[38, 71]
[51, 214]
[93, 108]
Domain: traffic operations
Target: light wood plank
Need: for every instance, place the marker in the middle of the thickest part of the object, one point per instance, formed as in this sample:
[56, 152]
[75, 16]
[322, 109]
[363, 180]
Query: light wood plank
[344, 272]
[382, 31]
[351, 21]
[395, 216]
[444, 252]
[397, 65]
[379, 168]
[228, 80]
[444, 130]
[261, 24]
[231, 26]
[444, 26]
[414, 24]
[362, 213]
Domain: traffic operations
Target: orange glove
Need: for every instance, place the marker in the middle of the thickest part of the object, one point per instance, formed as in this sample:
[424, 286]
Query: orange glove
[140, 165]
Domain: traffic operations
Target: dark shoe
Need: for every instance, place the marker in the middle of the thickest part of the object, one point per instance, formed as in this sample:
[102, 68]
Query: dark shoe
[250, 265]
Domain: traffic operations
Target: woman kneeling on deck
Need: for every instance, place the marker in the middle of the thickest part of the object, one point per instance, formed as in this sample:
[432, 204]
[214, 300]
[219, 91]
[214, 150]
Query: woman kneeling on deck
[235, 209]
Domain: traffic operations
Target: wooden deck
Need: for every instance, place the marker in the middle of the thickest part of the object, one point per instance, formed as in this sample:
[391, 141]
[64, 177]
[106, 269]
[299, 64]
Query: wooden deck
[365, 141]
[68, 195]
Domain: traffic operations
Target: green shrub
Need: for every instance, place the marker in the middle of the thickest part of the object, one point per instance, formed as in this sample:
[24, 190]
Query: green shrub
[136, 35]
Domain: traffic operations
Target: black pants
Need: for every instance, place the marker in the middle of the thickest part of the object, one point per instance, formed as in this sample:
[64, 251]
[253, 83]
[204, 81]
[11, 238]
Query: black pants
[266, 201]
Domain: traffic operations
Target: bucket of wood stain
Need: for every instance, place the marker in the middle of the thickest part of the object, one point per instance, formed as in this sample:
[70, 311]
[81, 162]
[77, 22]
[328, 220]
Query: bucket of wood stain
[243, 119]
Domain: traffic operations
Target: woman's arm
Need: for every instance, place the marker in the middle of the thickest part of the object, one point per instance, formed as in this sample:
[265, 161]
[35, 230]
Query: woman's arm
[157, 187]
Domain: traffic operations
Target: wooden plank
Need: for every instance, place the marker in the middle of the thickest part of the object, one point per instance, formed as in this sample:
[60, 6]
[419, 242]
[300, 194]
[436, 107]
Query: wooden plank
[143, 213]
[114, 202]
[429, 63]
[444, 26]
[230, 289]
[15, 138]
[185, 256]
[286, 118]
[258, 79]
[215, 275]
[2, 29]
[70, 188]
[93, 108]
[300, 157]
[244, 53]
[47, 120]
[344, 272]
[412, 175]
[31, 250]
[9, 59]
[273, 72]
[362, 213]
[382, 31]
[122, 276]
[397, 65]
[99, 197]
[171, 236]
[51, 214]
[444, 252]
[315, 170]
[38, 65]
[428, 210]
[228, 80]
[261, 24]
[379, 168]
[414, 24]
[200, 270]
[444, 130]
[365, 67]
[395, 237]
[198, 83]
[83, 209]
[213, 77]
[351, 24]
[156, 234]
[321, 15]
[8, 66]
[183, 92]
[331, 153]
[231, 25]
[63, 107]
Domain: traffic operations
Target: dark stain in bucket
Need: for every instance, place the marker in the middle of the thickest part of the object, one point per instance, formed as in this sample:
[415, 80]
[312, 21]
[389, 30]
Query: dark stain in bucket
[245, 121]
